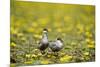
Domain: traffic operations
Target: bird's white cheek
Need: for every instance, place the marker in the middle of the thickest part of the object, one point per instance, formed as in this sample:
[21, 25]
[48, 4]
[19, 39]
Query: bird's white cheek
[44, 31]
[60, 44]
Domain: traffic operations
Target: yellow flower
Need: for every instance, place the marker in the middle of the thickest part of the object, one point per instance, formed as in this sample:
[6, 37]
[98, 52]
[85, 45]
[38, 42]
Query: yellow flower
[66, 58]
[88, 40]
[86, 53]
[28, 62]
[88, 34]
[39, 54]
[91, 46]
[28, 55]
[37, 36]
[13, 44]
[92, 42]
[23, 38]
[80, 27]
[33, 55]
[35, 49]
[20, 34]
[14, 31]
[45, 62]
[48, 55]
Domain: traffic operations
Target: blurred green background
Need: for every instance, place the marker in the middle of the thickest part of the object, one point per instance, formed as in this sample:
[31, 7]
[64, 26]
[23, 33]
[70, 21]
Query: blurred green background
[75, 24]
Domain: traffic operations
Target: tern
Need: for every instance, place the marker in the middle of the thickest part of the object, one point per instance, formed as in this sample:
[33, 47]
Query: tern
[43, 44]
[56, 45]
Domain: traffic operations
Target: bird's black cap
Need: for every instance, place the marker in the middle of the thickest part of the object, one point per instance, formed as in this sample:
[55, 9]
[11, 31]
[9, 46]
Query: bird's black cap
[45, 29]
[59, 39]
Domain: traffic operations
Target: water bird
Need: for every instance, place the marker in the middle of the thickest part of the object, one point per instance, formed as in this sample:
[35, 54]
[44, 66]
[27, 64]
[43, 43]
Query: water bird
[43, 44]
[56, 45]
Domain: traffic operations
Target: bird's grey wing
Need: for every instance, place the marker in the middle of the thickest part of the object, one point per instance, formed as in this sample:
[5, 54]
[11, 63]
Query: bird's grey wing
[59, 45]
[52, 45]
